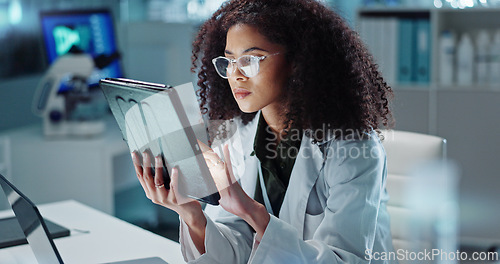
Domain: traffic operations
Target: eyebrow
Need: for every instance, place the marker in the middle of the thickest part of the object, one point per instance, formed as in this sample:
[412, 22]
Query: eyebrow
[247, 50]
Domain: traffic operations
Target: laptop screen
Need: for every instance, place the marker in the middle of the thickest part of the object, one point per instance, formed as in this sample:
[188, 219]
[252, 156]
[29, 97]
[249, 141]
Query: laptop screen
[31, 223]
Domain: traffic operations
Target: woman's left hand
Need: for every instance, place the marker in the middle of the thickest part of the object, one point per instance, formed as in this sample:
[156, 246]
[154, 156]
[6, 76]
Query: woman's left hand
[233, 197]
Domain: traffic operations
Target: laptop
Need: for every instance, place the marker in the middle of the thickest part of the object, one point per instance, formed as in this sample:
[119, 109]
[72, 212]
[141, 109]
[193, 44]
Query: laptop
[37, 232]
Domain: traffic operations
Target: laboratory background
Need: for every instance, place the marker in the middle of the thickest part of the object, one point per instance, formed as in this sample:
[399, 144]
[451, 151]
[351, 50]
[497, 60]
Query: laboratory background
[58, 140]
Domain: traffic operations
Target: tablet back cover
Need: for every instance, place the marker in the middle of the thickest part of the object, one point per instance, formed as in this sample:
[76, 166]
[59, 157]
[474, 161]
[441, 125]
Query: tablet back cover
[166, 122]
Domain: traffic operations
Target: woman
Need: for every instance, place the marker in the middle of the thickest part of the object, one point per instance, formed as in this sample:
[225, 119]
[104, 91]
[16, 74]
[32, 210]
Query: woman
[304, 177]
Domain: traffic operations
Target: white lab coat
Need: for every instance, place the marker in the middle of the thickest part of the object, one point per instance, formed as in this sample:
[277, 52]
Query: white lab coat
[334, 209]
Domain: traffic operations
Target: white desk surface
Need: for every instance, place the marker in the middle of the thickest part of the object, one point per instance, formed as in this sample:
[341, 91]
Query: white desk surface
[108, 238]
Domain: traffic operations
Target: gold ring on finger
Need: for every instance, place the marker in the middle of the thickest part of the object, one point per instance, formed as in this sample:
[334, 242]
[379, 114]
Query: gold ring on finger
[159, 186]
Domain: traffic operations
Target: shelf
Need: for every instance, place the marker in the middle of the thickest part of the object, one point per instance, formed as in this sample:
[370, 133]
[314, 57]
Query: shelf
[473, 88]
[468, 10]
[395, 12]
[470, 20]
[411, 87]
[448, 88]
[395, 9]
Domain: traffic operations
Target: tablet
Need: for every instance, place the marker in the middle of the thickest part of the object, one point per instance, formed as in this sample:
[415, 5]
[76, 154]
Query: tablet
[166, 121]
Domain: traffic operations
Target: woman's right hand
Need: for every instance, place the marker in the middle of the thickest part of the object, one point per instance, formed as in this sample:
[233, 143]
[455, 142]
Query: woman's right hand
[188, 209]
[155, 188]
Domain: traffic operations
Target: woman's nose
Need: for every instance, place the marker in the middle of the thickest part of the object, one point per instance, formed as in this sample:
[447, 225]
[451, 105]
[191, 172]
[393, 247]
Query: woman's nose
[237, 74]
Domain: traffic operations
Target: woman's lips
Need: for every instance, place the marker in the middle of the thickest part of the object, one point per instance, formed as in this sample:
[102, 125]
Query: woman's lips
[241, 93]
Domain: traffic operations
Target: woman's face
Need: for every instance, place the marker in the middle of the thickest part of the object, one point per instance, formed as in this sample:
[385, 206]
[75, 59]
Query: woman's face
[265, 90]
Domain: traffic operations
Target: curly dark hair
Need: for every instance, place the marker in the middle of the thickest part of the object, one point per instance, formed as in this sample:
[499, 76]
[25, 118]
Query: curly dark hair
[334, 79]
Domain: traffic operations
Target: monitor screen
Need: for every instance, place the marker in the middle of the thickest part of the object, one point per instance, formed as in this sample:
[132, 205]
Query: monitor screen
[91, 31]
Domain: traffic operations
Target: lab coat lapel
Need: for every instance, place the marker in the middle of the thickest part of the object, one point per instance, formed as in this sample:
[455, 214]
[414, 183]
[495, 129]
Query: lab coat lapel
[245, 164]
[305, 172]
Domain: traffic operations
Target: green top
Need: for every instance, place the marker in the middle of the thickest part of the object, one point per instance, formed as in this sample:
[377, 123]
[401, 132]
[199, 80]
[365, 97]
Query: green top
[277, 161]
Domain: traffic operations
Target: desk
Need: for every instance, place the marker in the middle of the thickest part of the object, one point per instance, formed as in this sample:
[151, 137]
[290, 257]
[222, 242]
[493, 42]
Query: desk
[108, 238]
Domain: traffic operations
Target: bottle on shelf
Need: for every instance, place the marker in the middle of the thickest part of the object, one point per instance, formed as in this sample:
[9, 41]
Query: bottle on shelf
[484, 3]
[446, 55]
[495, 61]
[465, 61]
[494, 3]
[482, 57]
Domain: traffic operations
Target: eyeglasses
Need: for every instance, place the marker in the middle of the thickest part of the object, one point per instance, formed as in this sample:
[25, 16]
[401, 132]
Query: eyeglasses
[247, 64]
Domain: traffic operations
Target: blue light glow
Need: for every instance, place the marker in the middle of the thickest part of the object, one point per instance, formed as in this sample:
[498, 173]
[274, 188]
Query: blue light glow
[15, 12]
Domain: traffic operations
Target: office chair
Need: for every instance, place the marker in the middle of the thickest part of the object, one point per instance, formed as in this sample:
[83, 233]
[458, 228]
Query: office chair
[405, 151]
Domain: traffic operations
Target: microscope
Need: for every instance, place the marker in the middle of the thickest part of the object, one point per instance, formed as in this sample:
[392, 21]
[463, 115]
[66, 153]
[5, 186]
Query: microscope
[63, 98]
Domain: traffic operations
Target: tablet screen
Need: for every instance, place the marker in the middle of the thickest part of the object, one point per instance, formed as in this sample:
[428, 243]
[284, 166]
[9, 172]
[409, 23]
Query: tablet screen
[165, 122]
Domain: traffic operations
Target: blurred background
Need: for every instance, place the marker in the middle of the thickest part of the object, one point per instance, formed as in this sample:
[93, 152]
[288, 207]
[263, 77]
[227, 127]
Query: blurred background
[58, 141]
